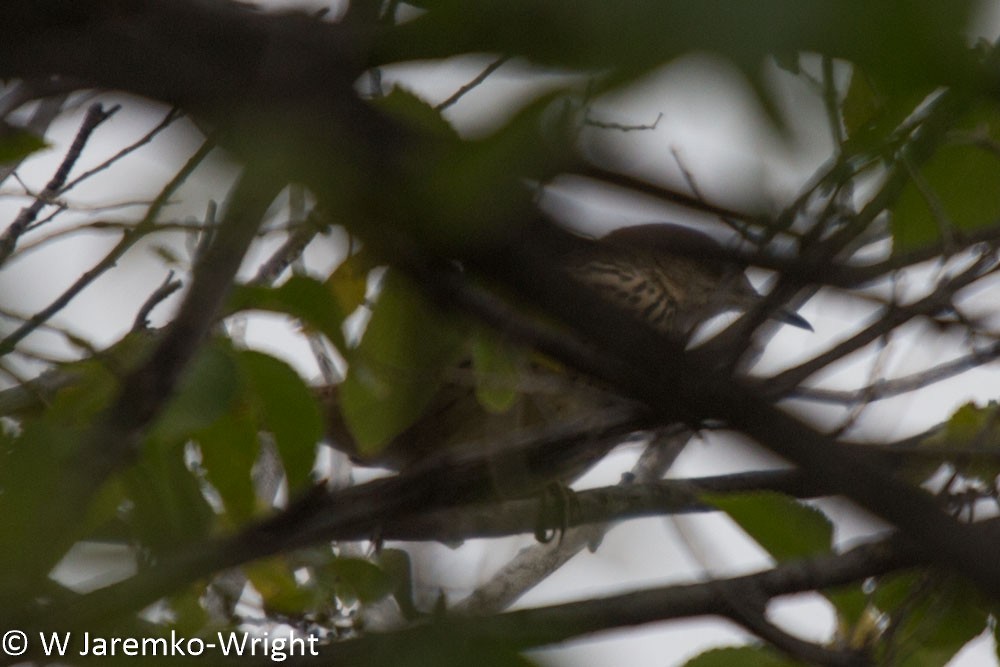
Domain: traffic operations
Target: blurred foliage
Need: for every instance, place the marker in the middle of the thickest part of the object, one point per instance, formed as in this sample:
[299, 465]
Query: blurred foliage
[750, 656]
[300, 297]
[349, 281]
[969, 443]
[929, 618]
[17, 143]
[958, 189]
[497, 368]
[195, 476]
[464, 195]
[906, 42]
[396, 369]
[803, 530]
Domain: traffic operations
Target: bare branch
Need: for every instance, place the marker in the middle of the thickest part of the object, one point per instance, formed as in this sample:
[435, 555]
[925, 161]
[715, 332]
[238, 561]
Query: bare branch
[55, 90]
[166, 288]
[129, 238]
[449, 481]
[535, 563]
[113, 441]
[882, 389]
[123, 227]
[621, 127]
[168, 120]
[300, 237]
[94, 117]
[480, 78]
[665, 194]
[542, 626]
[938, 300]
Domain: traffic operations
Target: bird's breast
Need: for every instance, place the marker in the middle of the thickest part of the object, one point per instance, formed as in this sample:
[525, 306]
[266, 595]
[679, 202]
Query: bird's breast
[635, 286]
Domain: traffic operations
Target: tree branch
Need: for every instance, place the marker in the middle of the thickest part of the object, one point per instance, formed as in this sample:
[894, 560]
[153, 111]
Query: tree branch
[96, 115]
[531, 628]
[129, 238]
[112, 442]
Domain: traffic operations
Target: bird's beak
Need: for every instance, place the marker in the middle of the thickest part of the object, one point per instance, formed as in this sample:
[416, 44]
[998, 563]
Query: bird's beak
[793, 318]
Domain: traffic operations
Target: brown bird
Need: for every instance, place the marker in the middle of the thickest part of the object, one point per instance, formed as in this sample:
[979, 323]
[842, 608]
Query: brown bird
[672, 277]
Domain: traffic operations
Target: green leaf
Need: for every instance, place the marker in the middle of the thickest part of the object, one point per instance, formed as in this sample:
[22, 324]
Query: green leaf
[958, 188]
[784, 527]
[229, 448]
[473, 181]
[30, 474]
[447, 648]
[411, 110]
[862, 105]
[970, 421]
[17, 143]
[206, 392]
[349, 282]
[972, 434]
[188, 615]
[894, 590]
[301, 297]
[851, 604]
[498, 368]
[744, 656]
[933, 618]
[905, 42]
[396, 369]
[278, 588]
[471, 191]
[168, 507]
[286, 407]
[396, 565]
[359, 579]
[33, 463]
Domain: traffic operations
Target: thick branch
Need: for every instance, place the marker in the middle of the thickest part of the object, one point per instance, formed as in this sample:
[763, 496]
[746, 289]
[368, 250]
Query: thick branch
[543, 626]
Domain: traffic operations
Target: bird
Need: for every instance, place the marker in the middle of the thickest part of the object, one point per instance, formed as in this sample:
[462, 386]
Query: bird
[672, 277]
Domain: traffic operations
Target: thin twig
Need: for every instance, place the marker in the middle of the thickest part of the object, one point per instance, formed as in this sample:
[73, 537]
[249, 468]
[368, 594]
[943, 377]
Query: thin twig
[129, 238]
[861, 405]
[105, 226]
[294, 245]
[882, 389]
[541, 626]
[171, 116]
[113, 441]
[56, 90]
[784, 382]
[663, 193]
[934, 204]
[737, 226]
[27, 90]
[94, 117]
[620, 127]
[365, 507]
[482, 76]
[832, 102]
[166, 288]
